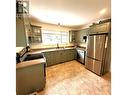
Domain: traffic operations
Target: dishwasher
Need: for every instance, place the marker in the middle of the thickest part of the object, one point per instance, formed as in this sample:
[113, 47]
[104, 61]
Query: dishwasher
[81, 56]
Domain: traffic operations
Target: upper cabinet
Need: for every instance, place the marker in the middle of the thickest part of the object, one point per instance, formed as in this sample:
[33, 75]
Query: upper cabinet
[103, 28]
[100, 28]
[35, 35]
[71, 36]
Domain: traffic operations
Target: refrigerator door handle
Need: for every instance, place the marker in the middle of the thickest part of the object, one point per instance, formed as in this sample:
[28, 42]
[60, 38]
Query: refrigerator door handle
[106, 42]
[93, 58]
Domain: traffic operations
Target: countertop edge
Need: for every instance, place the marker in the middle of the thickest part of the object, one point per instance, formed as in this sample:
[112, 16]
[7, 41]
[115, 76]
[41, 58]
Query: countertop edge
[48, 50]
[30, 63]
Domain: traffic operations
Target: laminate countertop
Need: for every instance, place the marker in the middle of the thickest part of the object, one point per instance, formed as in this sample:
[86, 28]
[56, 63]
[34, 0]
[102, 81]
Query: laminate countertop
[18, 49]
[49, 50]
[30, 63]
[41, 60]
[80, 48]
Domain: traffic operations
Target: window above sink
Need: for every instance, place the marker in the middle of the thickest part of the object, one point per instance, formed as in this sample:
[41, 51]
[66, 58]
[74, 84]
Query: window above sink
[54, 37]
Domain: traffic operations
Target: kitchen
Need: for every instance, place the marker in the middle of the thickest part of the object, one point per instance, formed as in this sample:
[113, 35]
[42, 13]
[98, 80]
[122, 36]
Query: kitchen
[52, 43]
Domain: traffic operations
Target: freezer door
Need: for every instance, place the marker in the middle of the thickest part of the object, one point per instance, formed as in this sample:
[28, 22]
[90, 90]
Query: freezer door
[96, 46]
[93, 65]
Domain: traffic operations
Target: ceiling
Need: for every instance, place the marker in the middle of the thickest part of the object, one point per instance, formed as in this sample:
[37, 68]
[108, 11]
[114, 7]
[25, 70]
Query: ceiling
[71, 13]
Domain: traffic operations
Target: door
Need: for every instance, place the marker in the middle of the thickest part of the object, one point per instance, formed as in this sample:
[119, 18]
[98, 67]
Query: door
[95, 46]
[93, 65]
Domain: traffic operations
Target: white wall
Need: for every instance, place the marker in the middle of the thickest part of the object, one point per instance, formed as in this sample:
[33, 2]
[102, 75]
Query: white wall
[51, 26]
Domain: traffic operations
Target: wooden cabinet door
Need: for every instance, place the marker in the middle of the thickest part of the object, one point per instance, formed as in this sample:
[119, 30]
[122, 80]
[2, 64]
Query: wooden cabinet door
[48, 56]
[77, 37]
[92, 30]
[102, 28]
[35, 34]
[66, 58]
[57, 56]
[53, 57]
[60, 56]
[70, 55]
[63, 55]
[71, 36]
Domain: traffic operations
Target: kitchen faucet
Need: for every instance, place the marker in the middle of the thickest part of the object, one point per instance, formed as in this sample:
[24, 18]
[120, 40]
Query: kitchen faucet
[57, 45]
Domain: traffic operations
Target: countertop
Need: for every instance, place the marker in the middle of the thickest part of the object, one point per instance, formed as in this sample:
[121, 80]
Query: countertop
[80, 48]
[49, 50]
[18, 49]
[30, 63]
[41, 60]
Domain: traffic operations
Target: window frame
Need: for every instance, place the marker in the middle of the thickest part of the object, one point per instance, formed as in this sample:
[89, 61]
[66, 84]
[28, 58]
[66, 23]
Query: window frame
[59, 33]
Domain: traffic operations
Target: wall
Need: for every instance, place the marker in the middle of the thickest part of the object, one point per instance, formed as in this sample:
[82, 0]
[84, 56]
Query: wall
[50, 27]
[20, 33]
[79, 37]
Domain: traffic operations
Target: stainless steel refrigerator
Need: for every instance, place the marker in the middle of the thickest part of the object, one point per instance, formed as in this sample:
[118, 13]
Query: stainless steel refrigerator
[98, 54]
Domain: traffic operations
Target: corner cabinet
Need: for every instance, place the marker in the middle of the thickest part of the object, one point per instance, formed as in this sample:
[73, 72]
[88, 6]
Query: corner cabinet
[71, 36]
[35, 36]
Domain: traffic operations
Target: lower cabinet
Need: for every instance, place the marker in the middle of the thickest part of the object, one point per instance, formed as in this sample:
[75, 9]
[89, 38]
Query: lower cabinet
[71, 54]
[49, 58]
[30, 79]
[59, 56]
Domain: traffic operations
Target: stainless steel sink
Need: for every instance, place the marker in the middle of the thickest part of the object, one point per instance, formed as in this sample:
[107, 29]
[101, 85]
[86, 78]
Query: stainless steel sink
[33, 56]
